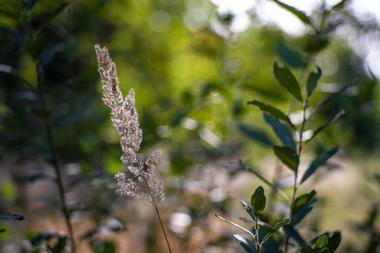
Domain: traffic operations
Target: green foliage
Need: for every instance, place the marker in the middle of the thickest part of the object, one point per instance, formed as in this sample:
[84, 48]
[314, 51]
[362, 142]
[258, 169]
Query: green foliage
[286, 78]
[258, 200]
[288, 156]
[319, 161]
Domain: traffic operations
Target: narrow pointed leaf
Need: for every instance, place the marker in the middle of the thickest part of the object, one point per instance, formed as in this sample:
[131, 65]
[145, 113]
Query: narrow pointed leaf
[319, 161]
[248, 209]
[301, 15]
[246, 244]
[286, 78]
[256, 134]
[312, 81]
[275, 228]
[290, 55]
[272, 111]
[334, 240]
[293, 233]
[288, 156]
[281, 130]
[258, 200]
[302, 205]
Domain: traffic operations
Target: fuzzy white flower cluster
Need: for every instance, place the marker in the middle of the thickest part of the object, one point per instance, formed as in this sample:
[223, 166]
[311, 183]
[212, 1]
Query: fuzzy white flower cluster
[139, 180]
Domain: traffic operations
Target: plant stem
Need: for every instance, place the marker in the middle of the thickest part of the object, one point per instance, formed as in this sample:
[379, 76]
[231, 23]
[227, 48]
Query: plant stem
[55, 163]
[236, 225]
[299, 152]
[257, 241]
[158, 215]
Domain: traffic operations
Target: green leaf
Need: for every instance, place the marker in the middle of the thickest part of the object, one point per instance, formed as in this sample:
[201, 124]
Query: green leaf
[275, 228]
[303, 200]
[319, 161]
[288, 156]
[334, 240]
[322, 242]
[281, 130]
[315, 43]
[258, 200]
[285, 77]
[272, 110]
[246, 244]
[293, 233]
[339, 5]
[312, 81]
[301, 15]
[302, 206]
[290, 55]
[307, 249]
[256, 134]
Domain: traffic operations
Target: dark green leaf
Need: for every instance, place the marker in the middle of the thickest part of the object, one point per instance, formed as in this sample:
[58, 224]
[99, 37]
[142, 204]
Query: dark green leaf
[273, 111]
[293, 233]
[246, 244]
[256, 134]
[339, 5]
[312, 81]
[290, 55]
[281, 130]
[302, 205]
[316, 43]
[301, 15]
[334, 240]
[319, 161]
[322, 242]
[11, 217]
[288, 156]
[307, 249]
[258, 200]
[275, 228]
[285, 77]
[2, 230]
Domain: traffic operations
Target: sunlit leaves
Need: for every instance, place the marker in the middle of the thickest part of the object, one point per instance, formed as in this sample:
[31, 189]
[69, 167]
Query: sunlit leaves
[286, 78]
[319, 161]
[258, 200]
[288, 156]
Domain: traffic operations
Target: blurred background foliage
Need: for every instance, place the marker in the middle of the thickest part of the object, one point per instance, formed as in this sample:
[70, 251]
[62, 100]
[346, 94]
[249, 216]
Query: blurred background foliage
[193, 74]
